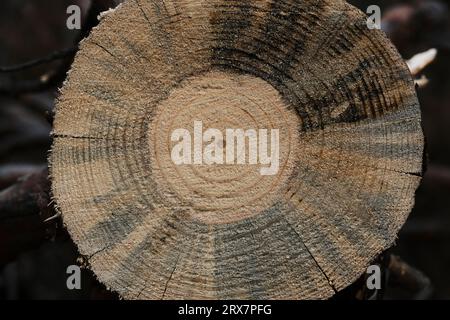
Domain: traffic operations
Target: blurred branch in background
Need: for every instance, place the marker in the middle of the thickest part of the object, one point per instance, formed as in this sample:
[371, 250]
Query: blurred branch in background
[24, 207]
[422, 23]
[418, 63]
[403, 275]
[35, 246]
[53, 78]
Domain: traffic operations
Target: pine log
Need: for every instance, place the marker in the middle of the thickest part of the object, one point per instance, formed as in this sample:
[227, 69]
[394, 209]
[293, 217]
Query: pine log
[351, 148]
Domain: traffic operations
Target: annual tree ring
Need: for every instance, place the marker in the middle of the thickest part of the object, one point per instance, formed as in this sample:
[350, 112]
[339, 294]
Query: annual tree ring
[224, 192]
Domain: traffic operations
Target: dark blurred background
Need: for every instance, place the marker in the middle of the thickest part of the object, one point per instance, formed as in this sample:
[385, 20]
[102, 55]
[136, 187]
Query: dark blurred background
[31, 29]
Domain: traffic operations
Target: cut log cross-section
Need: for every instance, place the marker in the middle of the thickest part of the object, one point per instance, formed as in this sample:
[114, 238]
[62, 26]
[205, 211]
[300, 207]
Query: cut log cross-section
[350, 148]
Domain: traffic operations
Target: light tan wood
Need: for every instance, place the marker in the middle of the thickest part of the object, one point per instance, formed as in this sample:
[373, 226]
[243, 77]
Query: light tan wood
[351, 148]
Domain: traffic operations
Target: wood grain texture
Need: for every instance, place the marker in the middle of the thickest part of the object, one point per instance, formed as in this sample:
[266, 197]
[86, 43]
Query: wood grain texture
[350, 154]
